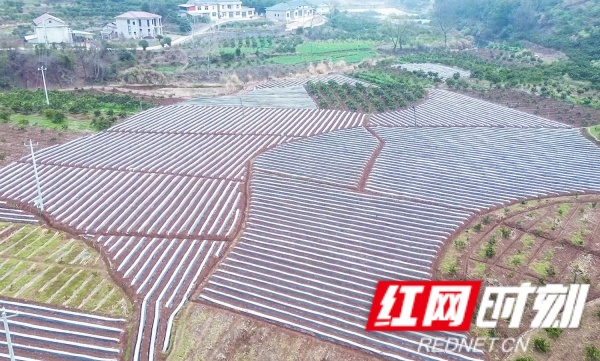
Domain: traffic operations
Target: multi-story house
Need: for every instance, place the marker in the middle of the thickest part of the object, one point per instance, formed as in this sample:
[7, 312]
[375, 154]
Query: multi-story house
[290, 11]
[139, 25]
[218, 9]
[49, 29]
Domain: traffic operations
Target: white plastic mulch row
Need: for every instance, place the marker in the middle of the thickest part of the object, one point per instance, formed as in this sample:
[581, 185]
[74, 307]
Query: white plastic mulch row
[443, 71]
[163, 272]
[237, 120]
[478, 168]
[107, 201]
[339, 158]
[286, 83]
[294, 97]
[312, 255]
[448, 109]
[47, 334]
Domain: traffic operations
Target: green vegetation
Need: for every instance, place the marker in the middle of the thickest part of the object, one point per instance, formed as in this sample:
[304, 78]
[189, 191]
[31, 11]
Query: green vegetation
[544, 267]
[46, 266]
[397, 93]
[592, 353]
[541, 344]
[450, 266]
[594, 131]
[554, 332]
[67, 110]
[524, 358]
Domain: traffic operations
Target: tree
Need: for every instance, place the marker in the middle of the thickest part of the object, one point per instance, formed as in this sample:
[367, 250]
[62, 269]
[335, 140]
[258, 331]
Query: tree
[167, 41]
[144, 44]
[397, 29]
[442, 17]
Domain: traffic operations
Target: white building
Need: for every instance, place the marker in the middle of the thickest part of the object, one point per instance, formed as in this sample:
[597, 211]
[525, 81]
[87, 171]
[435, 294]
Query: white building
[218, 9]
[49, 29]
[290, 11]
[139, 25]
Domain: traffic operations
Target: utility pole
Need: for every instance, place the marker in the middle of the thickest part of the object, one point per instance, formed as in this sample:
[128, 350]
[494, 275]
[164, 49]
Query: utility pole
[43, 69]
[11, 352]
[39, 202]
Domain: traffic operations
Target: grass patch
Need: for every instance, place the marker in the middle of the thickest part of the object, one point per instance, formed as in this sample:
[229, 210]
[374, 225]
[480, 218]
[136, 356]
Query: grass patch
[577, 238]
[326, 47]
[516, 260]
[450, 265]
[544, 267]
[347, 56]
[40, 121]
[31, 260]
[479, 269]
[594, 131]
[563, 209]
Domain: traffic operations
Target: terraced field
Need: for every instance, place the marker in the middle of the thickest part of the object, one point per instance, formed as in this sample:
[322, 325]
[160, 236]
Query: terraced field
[46, 266]
[330, 202]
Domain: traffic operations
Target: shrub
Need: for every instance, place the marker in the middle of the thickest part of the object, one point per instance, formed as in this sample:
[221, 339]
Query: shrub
[541, 344]
[97, 113]
[478, 227]
[58, 118]
[5, 116]
[554, 332]
[460, 243]
[592, 353]
[505, 232]
[49, 113]
[23, 122]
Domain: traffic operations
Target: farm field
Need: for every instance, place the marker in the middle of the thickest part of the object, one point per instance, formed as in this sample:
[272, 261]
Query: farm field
[164, 237]
[443, 71]
[552, 240]
[310, 241]
[553, 109]
[290, 97]
[578, 344]
[314, 249]
[13, 138]
[288, 83]
[43, 265]
[448, 109]
[43, 333]
[222, 334]
[350, 57]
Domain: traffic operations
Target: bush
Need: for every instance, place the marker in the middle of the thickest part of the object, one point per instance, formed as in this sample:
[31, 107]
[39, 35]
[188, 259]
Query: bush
[592, 353]
[5, 116]
[23, 122]
[541, 344]
[49, 114]
[58, 118]
[554, 332]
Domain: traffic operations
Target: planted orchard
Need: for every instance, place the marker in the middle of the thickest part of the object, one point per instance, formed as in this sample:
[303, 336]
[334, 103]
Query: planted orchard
[78, 110]
[358, 97]
[541, 241]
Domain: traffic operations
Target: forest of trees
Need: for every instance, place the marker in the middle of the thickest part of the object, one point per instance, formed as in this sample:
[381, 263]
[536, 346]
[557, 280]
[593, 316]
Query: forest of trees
[571, 29]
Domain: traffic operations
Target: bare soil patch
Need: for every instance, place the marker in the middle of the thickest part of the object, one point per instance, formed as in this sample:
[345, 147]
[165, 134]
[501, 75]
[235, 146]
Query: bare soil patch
[209, 333]
[12, 139]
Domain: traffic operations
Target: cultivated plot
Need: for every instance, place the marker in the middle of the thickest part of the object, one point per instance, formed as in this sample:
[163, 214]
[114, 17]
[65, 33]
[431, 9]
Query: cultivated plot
[286, 83]
[43, 265]
[480, 168]
[448, 109]
[41, 333]
[294, 97]
[163, 272]
[443, 71]
[316, 243]
[8, 214]
[311, 257]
